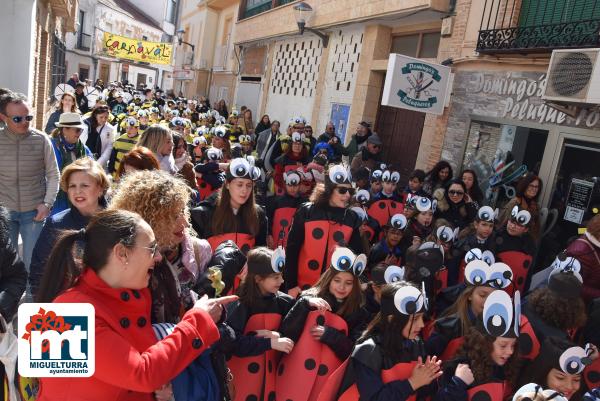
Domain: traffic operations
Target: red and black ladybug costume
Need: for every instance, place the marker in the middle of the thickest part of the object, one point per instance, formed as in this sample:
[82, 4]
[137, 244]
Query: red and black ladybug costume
[281, 210]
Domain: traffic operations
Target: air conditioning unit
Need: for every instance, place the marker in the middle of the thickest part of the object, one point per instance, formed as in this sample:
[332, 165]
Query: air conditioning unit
[574, 77]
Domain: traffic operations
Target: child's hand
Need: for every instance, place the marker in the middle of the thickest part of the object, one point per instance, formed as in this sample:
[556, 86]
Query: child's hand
[391, 260]
[317, 332]
[294, 292]
[282, 344]
[267, 334]
[165, 393]
[425, 373]
[416, 241]
[464, 373]
[319, 304]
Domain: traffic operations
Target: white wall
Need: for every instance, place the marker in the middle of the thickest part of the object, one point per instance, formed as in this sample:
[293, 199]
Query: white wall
[151, 77]
[17, 20]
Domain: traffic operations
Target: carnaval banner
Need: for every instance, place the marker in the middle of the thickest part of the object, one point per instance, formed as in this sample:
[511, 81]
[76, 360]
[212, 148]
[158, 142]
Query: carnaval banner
[137, 50]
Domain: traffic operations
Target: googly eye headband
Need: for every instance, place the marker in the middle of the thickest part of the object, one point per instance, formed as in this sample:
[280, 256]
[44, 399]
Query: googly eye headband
[408, 300]
[531, 391]
[479, 273]
[214, 154]
[242, 168]
[425, 204]
[574, 359]
[221, 131]
[278, 260]
[297, 137]
[521, 217]
[362, 196]
[486, 213]
[477, 254]
[292, 178]
[344, 260]
[376, 175]
[502, 315]
[339, 174]
[390, 176]
[297, 120]
[446, 234]
[360, 212]
[398, 222]
[567, 265]
[199, 141]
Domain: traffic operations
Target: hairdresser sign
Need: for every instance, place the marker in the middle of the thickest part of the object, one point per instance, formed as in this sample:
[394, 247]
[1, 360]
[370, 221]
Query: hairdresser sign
[414, 84]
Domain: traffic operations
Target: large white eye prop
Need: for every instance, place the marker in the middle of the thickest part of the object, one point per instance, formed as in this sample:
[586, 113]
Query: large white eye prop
[514, 212]
[567, 265]
[360, 264]
[393, 273]
[445, 234]
[376, 175]
[214, 154]
[573, 360]
[254, 173]
[473, 254]
[499, 275]
[486, 213]
[398, 221]
[239, 168]
[363, 196]
[434, 205]
[476, 272]
[385, 177]
[517, 321]
[278, 260]
[423, 204]
[395, 177]
[339, 175]
[342, 259]
[292, 178]
[296, 137]
[497, 313]
[488, 257]
[360, 212]
[408, 300]
[523, 218]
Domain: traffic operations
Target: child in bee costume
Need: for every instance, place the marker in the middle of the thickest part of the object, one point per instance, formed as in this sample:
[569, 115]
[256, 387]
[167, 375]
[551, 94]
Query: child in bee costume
[324, 324]
[256, 319]
[389, 362]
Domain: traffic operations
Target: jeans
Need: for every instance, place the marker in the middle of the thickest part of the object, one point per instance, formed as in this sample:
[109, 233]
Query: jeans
[22, 223]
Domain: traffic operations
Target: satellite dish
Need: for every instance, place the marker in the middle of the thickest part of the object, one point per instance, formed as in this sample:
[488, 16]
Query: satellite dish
[127, 97]
[92, 95]
[62, 88]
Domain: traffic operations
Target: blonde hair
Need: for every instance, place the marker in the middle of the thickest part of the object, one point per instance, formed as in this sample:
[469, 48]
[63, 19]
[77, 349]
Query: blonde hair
[88, 166]
[154, 137]
[156, 196]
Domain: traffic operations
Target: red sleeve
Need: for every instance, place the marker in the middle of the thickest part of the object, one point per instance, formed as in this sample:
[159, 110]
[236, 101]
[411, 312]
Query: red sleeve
[590, 268]
[278, 176]
[120, 364]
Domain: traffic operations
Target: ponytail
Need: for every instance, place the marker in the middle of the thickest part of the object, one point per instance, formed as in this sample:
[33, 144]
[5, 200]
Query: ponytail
[61, 269]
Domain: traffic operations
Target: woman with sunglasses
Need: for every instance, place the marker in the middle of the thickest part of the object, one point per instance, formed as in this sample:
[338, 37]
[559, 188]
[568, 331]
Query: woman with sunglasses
[67, 148]
[318, 227]
[119, 256]
[162, 201]
[453, 204]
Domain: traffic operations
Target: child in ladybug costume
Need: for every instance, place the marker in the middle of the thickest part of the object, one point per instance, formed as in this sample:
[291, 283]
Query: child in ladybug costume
[381, 274]
[256, 319]
[324, 324]
[390, 362]
[486, 363]
[209, 177]
[388, 249]
[387, 202]
[420, 224]
[318, 227]
[281, 209]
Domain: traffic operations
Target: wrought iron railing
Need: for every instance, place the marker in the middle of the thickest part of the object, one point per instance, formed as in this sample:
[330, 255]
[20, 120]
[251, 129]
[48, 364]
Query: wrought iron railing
[527, 26]
[84, 41]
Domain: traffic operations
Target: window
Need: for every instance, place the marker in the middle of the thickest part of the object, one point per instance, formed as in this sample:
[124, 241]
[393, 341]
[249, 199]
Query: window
[58, 70]
[144, 37]
[492, 144]
[421, 45]
[83, 40]
[84, 72]
[108, 27]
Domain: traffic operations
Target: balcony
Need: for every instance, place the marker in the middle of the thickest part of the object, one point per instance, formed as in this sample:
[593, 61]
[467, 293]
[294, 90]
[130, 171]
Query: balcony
[84, 41]
[254, 7]
[221, 57]
[537, 26]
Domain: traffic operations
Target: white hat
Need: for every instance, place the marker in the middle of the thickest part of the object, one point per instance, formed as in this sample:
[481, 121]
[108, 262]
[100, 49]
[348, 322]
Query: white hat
[70, 120]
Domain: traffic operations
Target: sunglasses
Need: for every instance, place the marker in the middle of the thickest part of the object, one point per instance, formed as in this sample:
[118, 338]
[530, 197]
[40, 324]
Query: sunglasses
[456, 193]
[19, 119]
[344, 190]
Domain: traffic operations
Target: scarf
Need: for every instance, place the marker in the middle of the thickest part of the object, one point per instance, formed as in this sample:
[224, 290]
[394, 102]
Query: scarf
[361, 139]
[180, 161]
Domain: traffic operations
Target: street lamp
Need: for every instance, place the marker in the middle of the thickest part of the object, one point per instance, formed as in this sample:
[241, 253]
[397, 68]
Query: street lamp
[303, 13]
[180, 33]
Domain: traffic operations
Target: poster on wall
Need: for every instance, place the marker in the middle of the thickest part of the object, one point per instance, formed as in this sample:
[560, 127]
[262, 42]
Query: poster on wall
[339, 116]
[137, 50]
[578, 200]
[414, 84]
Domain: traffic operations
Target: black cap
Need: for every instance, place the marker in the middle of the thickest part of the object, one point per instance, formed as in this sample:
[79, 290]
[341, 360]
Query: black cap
[565, 285]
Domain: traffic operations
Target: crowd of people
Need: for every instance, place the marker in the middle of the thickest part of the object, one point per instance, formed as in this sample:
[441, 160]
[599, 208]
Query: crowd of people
[233, 261]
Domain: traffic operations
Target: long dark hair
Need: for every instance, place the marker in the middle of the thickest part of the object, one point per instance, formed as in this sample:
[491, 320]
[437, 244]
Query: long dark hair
[321, 290]
[248, 291]
[389, 330]
[321, 194]
[433, 174]
[223, 219]
[106, 229]
[98, 110]
[475, 192]
[524, 183]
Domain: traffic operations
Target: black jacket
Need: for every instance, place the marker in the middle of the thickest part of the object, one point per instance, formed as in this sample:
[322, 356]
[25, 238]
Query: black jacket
[13, 276]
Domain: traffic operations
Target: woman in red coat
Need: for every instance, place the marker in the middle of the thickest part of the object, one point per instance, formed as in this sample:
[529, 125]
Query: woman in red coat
[119, 254]
[586, 249]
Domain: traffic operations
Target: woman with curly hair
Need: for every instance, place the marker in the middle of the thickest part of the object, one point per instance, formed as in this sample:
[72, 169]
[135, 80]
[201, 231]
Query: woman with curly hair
[486, 366]
[162, 201]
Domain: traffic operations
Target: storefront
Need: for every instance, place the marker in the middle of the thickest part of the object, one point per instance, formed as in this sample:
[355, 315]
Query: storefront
[498, 120]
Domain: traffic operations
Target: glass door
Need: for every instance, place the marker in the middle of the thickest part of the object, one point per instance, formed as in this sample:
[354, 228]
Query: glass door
[575, 194]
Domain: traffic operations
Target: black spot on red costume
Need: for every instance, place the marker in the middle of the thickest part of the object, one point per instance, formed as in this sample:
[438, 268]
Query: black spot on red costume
[481, 396]
[338, 236]
[321, 320]
[317, 233]
[310, 364]
[253, 367]
[323, 369]
[313, 265]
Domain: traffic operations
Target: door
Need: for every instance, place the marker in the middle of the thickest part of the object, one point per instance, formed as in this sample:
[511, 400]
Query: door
[575, 193]
[141, 80]
[104, 73]
[248, 94]
[400, 131]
